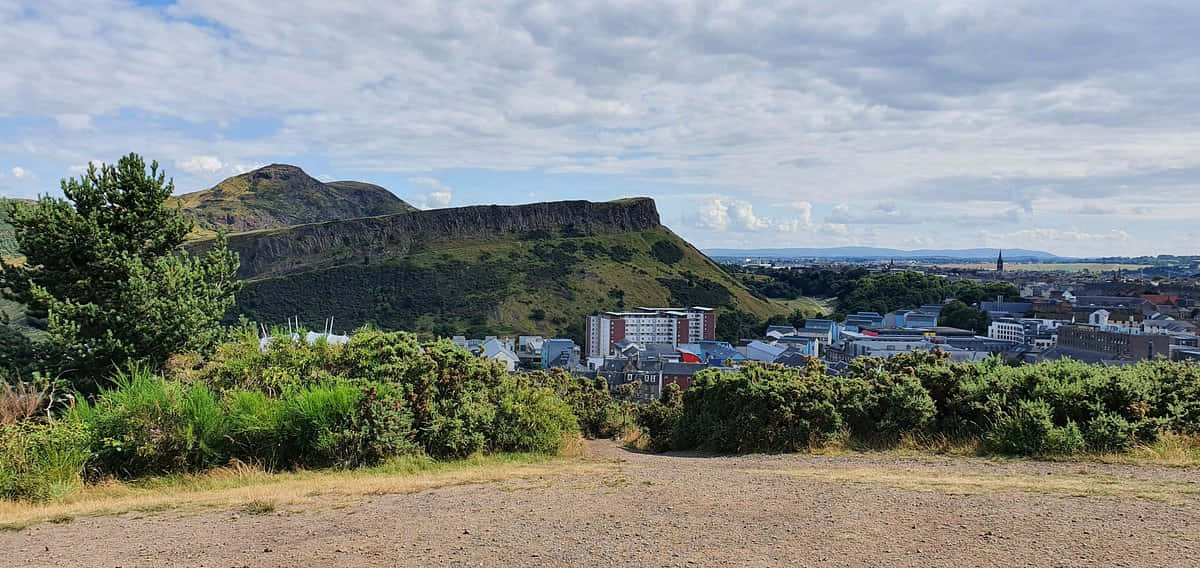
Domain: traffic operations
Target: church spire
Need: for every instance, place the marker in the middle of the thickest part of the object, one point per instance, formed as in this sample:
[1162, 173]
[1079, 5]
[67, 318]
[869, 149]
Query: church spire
[1000, 261]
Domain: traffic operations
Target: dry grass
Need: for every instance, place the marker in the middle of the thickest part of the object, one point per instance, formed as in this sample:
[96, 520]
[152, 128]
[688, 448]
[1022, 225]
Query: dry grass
[941, 480]
[251, 489]
[20, 402]
[1171, 450]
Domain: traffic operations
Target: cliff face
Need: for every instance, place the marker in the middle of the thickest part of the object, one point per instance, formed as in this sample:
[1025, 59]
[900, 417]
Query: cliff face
[276, 252]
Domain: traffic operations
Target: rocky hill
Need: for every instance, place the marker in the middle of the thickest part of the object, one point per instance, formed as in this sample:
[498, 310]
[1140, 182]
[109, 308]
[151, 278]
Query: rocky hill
[280, 195]
[536, 269]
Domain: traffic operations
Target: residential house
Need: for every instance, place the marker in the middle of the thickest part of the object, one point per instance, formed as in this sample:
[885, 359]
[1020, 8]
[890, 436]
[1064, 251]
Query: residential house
[497, 350]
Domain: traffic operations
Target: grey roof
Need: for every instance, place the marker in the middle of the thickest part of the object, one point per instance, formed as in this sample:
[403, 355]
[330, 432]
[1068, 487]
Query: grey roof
[682, 368]
[493, 348]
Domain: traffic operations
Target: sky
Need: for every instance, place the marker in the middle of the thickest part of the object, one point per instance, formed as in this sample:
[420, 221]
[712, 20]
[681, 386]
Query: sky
[1069, 127]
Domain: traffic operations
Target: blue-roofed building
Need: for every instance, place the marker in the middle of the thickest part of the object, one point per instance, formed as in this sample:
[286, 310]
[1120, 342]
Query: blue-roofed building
[864, 319]
[914, 320]
[803, 345]
[817, 324]
[764, 352]
[1017, 309]
[559, 354]
[779, 331]
[718, 352]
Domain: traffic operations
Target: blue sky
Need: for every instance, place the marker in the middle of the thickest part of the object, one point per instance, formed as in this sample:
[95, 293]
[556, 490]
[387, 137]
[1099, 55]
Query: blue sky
[1046, 125]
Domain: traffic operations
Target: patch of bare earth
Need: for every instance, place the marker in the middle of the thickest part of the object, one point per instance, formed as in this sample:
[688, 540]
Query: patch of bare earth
[653, 510]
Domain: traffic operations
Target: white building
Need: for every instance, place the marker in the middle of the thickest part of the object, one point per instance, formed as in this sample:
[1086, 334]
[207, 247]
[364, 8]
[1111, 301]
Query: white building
[647, 326]
[1008, 330]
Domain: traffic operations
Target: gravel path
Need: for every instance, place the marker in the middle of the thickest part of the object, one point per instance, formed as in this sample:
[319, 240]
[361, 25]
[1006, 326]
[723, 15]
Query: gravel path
[653, 510]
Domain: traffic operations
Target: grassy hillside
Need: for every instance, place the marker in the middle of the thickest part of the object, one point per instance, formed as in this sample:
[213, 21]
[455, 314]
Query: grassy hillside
[280, 195]
[535, 284]
[8, 245]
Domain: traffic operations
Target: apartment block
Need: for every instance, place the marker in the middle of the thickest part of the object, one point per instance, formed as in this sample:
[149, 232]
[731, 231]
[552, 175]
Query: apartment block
[643, 326]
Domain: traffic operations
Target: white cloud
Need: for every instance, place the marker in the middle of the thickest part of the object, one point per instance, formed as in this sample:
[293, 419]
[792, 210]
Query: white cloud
[200, 164]
[73, 121]
[21, 173]
[931, 105]
[439, 195]
[725, 214]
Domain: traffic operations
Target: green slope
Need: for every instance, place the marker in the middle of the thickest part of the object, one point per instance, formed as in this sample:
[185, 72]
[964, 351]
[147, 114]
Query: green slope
[507, 285]
[280, 195]
[8, 245]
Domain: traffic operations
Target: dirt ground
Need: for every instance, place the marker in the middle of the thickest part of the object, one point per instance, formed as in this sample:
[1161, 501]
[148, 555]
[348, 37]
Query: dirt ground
[654, 510]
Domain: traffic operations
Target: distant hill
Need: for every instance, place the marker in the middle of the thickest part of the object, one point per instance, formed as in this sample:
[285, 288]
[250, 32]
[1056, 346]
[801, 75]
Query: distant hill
[280, 195]
[528, 269]
[8, 245]
[883, 253]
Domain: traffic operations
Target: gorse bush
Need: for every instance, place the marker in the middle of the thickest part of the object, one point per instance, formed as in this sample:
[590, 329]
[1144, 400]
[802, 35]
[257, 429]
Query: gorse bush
[290, 405]
[877, 403]
[599, 415]
[757, 408]
[1061, 407]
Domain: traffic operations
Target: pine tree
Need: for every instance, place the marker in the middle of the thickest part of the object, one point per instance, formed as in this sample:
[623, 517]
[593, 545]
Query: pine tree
[105, 268]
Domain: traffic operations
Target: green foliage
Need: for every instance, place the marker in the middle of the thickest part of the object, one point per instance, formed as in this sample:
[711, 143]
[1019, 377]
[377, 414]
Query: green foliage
[962, 316]
[858, 290]
[733, 326]
[757, 408]
[40, 461]
[666, 252]
[660, 419]
[316, 426]
[1030, 430]
[530, 419]
[878, 403]
[1059, 407]
[453, 403]
[104, 266]
[621, 253]
[16, 351]
[145, 425]
[697, 291]
[598, 414]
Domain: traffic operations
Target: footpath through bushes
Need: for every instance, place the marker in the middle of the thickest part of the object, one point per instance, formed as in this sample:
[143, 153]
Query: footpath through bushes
[1054, 408]
[293, 405]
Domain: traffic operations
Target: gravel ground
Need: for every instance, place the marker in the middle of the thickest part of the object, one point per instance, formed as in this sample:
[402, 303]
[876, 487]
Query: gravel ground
[676, 510]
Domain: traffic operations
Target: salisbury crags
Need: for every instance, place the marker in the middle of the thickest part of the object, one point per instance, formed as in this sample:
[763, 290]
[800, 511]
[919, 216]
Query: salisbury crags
[276, 252]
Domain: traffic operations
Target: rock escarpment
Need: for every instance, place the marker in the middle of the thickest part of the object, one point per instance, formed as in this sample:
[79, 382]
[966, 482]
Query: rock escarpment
[278, 252]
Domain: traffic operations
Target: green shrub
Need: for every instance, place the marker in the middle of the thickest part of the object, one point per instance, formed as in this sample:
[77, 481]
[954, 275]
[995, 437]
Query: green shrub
[1064, 440]
[531, 419]
[147, 425]
[316, 425]
[40, 461]
[254, 428]
[877, 404]
[660, 419]
[598, 413]
[757, 408]
[1109, 432]
[1029, 431]
[666, 252]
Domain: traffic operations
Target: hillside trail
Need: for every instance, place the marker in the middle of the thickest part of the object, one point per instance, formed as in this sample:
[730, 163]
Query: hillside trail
[637, 509]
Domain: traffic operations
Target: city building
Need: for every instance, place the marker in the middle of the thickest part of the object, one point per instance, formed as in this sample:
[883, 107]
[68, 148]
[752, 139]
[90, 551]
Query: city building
[1113, 343]
[671, 326]
[559, 354]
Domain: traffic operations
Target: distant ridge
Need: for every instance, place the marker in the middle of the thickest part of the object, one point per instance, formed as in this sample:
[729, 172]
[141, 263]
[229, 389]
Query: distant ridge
[872, 253]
